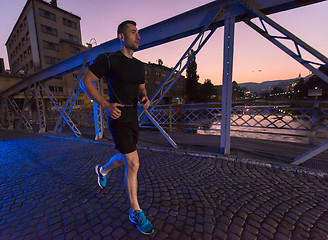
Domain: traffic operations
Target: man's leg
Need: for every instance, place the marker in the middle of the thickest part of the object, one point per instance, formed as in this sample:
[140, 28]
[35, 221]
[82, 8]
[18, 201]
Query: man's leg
[131, 181]
[115, 161]
[131, 184]
[102, 172]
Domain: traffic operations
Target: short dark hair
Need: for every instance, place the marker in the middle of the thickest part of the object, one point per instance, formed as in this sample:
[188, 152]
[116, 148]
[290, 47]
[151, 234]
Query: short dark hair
[123, 26]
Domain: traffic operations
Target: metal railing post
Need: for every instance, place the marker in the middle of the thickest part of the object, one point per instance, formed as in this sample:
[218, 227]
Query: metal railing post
[314, 121]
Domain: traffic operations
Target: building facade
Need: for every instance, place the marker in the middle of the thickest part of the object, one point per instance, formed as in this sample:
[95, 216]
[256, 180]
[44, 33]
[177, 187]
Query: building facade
[155, 74]
[44, 35]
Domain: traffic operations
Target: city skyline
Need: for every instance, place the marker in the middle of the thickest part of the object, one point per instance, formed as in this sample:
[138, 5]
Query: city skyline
[255, 58]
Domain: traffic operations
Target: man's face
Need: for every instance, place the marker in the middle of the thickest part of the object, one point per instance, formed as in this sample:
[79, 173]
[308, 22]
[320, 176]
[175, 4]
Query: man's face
[130, 37]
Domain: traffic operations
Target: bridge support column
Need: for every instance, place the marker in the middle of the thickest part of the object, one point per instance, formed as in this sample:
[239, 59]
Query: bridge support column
[229, 28]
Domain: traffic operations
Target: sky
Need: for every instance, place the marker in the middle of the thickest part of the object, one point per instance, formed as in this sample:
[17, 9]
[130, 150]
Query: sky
[255, 58]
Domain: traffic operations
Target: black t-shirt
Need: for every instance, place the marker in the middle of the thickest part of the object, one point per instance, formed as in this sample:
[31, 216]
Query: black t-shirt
[123, 76]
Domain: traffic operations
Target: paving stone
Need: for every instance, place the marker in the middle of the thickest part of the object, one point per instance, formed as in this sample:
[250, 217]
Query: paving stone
[248, 235]
[188, 229]
[167, 228]
[174, 234]
[118, 233]
[106, 231]
[87, 234]
[236, 229]
[71, 234]
[233, 236]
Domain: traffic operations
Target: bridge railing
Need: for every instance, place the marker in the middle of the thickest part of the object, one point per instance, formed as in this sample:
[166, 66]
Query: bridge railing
[305, 119]
[296, 121]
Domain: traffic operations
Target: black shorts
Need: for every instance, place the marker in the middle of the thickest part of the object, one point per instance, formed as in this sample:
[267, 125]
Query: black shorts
[125, 135]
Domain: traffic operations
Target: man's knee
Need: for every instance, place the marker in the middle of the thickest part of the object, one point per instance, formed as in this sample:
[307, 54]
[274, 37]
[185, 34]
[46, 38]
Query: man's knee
[132, 161]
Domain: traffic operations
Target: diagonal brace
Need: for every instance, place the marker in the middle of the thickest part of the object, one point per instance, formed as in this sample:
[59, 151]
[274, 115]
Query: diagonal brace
[287, 35]
[70, 96]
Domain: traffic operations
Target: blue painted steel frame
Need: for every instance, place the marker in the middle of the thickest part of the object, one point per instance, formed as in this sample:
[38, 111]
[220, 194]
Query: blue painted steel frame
[180, 26]
[229, 28]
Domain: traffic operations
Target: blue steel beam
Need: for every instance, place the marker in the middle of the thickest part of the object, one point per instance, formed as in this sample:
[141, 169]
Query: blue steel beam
[180, 26]
[229, 36]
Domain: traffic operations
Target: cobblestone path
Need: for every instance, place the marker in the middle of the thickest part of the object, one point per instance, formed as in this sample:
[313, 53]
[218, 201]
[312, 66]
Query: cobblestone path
[49, 191]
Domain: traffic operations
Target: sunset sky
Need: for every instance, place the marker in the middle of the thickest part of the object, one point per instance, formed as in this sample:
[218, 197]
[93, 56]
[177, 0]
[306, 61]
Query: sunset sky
[255, 58]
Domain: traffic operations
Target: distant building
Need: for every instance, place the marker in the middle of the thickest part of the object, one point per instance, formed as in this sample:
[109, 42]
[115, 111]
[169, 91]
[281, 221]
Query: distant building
[155, 74]
[43, 36]
[218, 93]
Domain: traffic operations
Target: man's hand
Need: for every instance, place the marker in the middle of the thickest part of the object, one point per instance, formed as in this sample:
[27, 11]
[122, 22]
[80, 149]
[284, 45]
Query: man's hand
[144, 101]
[112, 110]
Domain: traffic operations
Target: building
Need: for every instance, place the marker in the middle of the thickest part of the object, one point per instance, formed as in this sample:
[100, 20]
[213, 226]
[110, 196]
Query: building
[8, 80]
[2, 66]
[44, 35]
[155, 74]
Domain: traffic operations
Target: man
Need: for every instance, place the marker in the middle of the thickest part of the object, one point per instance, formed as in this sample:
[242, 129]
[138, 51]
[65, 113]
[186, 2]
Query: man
[125, 79]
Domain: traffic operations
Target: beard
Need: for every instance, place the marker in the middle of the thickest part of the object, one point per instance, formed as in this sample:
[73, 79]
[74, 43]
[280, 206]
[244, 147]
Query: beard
[133, 47]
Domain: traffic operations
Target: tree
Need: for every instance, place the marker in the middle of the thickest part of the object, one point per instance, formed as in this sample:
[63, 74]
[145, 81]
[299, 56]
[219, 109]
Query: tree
[317, 82]
[277, 90]
[160, 62]
[237, 91]
[192, 80]
[206, 91]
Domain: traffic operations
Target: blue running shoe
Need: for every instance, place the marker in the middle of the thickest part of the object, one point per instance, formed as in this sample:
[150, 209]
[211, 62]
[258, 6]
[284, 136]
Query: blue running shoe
[142, 223]
[102, 180]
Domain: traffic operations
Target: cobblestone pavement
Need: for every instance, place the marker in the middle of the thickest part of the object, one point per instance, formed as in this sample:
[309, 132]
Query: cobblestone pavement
[49, 191]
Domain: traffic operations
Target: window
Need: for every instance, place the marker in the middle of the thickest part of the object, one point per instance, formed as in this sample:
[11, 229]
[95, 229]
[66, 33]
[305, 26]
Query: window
[146, 72]
[51, 60]
[29, 51]
[50, 45]
[56, 89]
[80, 102]
[71, 37]
[23, 40]
[31, 64]
[27, 36]
[69, 23]
[49, 30]
[47, 14]
[158, 74]
[25, 21]
[74, 50]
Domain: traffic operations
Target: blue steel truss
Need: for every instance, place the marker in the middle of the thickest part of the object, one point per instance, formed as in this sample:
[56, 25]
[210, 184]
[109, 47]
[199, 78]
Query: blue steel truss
[299, 45]
[197, 21]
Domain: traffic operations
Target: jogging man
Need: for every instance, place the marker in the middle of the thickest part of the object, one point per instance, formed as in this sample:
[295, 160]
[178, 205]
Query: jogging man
[126, 86]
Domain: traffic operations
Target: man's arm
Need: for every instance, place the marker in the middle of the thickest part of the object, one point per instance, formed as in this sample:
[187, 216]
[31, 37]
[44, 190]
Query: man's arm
[144, 101]
[88, 79]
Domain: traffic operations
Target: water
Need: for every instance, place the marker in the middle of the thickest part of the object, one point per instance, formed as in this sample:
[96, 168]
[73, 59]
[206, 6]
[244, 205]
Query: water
[281, 128]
